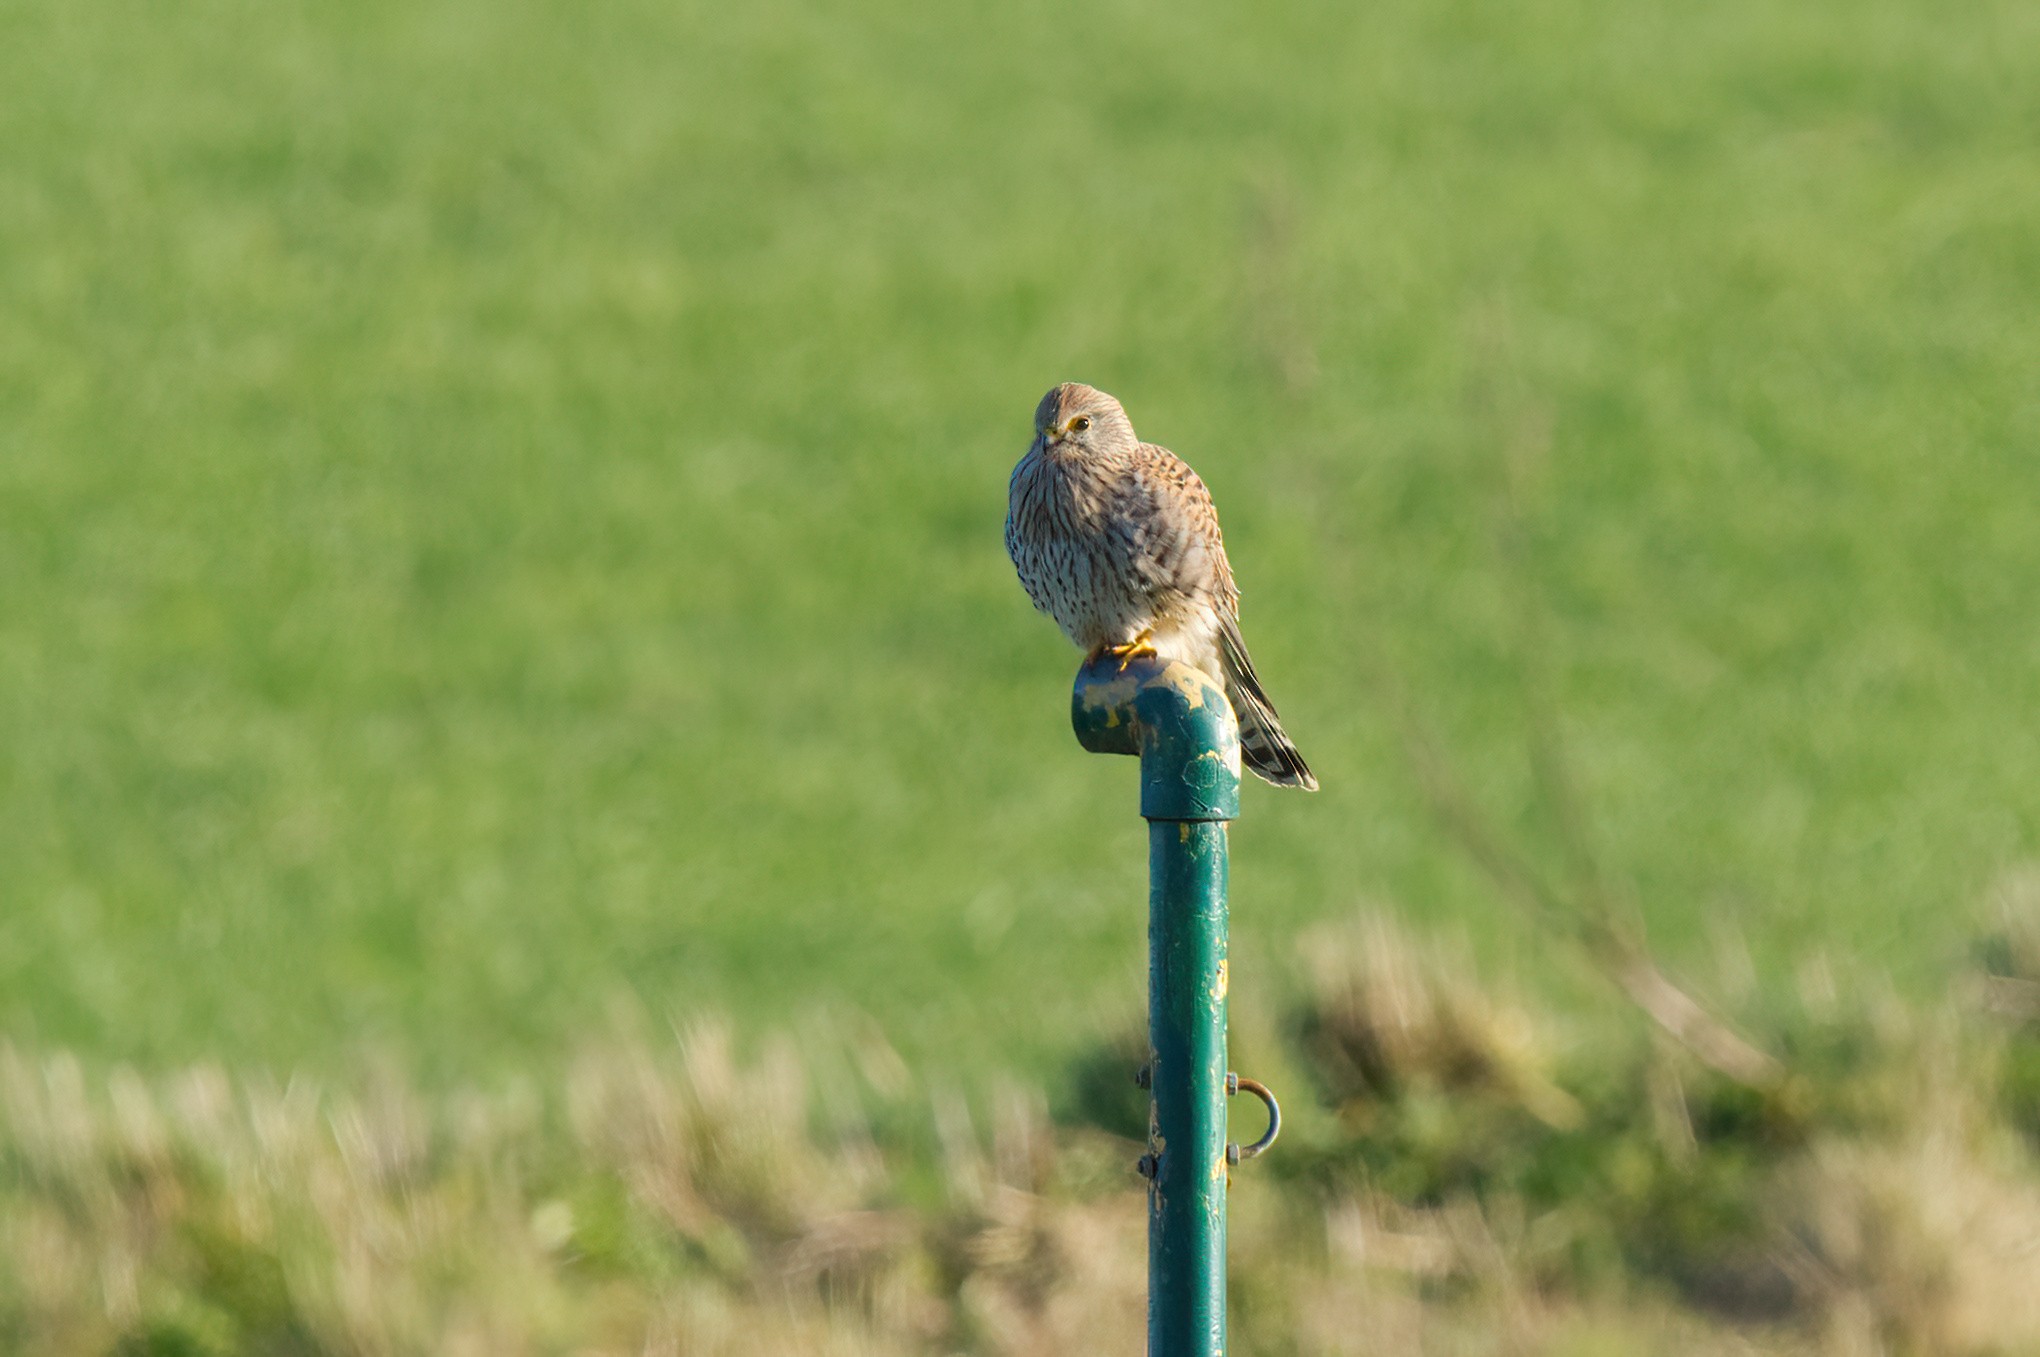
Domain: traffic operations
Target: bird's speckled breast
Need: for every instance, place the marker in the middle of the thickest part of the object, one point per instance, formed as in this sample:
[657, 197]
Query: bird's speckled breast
[1074, 548]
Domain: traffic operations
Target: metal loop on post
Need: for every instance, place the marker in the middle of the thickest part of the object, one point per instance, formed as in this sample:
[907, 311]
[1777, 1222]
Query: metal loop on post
[1235, 1154]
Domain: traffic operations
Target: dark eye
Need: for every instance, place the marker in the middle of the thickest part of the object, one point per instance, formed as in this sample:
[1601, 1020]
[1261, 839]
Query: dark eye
[1080, 423]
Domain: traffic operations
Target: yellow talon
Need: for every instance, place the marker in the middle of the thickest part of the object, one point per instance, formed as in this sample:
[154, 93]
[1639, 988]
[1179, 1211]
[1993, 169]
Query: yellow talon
[1131, 651]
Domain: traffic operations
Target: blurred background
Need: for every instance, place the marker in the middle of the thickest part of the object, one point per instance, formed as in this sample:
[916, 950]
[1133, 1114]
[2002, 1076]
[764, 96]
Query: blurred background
[500, 515]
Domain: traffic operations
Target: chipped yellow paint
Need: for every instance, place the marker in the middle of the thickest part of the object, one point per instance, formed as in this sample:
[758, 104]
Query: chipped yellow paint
[1111, 694]
[1188, 680]
[1227, 758]
[1177, 719]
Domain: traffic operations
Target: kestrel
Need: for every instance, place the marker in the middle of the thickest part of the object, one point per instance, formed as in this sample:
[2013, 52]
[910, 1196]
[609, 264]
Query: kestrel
[1118, 541]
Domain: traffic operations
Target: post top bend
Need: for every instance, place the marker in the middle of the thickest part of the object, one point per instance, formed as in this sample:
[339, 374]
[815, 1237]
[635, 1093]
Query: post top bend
[1176, 718]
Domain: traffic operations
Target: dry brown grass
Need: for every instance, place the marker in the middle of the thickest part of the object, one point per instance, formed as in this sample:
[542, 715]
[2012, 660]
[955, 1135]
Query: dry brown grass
[677, 1195]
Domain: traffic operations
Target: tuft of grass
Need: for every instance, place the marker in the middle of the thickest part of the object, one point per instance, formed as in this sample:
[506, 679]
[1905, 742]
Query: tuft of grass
[692, 1194]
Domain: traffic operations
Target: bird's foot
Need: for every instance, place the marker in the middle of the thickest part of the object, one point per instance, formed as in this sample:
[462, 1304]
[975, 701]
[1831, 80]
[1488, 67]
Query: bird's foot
[1127, 653]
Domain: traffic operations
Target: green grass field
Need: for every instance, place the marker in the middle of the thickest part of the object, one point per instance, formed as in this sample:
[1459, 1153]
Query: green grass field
[500, 503]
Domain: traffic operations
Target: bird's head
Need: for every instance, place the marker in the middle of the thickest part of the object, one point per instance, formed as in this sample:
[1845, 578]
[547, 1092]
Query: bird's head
[1074, 420]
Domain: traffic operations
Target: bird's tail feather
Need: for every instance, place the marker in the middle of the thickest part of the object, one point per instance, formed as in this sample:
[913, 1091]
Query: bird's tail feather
[1265, 747]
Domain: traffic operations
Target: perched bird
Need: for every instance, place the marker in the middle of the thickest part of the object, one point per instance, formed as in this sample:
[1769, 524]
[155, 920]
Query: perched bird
[1117, 540]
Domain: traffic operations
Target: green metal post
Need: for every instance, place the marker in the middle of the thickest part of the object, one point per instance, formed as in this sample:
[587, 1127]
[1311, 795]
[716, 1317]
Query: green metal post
[1179, 723]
